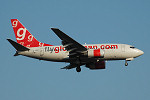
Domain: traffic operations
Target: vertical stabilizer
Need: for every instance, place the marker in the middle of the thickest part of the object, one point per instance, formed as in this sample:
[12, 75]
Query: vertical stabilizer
[24, 37]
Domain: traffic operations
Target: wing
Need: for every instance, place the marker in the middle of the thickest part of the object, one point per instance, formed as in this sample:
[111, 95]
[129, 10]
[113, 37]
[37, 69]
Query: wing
[75, 49]
[69, 66]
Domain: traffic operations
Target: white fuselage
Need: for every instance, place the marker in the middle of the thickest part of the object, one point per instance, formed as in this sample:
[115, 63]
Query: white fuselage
[59, 54]
[93, 56]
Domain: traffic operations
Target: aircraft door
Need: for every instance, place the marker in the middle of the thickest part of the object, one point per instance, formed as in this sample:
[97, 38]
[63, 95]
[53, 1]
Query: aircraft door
[123, 48]
[41, 52]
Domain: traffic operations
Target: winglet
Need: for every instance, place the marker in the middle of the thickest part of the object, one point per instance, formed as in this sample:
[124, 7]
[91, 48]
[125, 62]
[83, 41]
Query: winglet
[18, 46]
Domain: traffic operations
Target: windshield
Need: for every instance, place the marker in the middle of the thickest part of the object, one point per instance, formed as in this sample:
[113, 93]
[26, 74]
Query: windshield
[132, 47]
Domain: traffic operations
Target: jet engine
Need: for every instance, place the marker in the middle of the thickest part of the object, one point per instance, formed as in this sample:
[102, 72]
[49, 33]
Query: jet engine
[96, 65]
[95, 53]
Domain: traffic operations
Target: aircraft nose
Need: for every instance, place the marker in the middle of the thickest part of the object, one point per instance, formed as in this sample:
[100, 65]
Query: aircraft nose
[140, 52]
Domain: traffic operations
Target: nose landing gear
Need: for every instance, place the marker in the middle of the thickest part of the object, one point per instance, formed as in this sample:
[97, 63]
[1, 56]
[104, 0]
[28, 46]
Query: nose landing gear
[126, 63]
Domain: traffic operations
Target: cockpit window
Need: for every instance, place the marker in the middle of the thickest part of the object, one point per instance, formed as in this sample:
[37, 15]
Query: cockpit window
[132, 47]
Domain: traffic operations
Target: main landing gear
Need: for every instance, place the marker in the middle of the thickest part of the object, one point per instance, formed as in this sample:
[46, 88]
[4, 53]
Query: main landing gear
[126, 63]
[78, 69]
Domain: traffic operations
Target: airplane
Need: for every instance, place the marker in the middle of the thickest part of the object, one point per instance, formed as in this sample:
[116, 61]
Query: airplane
[93, 56]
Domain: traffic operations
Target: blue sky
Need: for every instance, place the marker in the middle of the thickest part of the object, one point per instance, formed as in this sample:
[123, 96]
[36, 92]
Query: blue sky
[92, 21]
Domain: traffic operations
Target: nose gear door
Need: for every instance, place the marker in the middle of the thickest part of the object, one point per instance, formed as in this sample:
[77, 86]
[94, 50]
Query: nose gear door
[41, 52]
[123, 48]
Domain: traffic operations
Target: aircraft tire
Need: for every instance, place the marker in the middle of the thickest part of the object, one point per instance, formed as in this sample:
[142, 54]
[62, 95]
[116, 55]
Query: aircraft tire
[78, 69]
[126, 64]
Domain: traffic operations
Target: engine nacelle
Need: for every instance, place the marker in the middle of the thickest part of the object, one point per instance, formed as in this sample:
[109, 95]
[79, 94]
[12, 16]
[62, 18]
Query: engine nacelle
[96, 65]
[95, 53]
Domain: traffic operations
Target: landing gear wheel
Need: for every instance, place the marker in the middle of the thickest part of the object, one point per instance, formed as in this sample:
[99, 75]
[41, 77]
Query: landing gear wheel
[126, 64]
[78, 69]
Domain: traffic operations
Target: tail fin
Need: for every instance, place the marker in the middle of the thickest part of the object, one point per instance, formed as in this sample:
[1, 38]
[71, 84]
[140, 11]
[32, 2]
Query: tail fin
[23, 36]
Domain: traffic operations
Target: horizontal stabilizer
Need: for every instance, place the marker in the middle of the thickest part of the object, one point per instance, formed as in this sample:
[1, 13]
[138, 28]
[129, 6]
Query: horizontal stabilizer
[18, 46]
